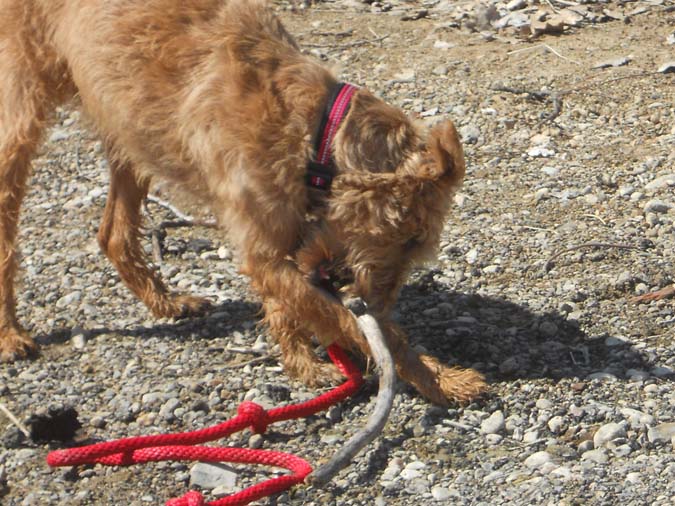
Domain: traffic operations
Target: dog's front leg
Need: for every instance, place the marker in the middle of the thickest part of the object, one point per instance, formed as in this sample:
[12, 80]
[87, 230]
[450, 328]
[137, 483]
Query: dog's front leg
[296, 309]
[434, 380]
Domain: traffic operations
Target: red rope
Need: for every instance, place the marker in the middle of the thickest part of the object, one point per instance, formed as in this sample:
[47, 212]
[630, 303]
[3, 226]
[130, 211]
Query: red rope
[181, 446]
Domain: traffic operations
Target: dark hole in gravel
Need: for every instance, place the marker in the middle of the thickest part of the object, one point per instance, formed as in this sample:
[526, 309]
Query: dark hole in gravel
[58, 424]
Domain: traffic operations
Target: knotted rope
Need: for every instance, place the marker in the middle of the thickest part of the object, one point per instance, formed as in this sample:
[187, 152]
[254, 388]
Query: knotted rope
[181, 446]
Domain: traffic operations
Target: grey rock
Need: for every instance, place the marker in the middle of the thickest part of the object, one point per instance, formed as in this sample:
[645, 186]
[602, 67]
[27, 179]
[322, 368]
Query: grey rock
[212, 475]
[493, 424]
[538, 459]
[661, 182]
[661, 433]
[598, 456]
[667, 67]
[614, 62]
[607, 433]
[657, 206]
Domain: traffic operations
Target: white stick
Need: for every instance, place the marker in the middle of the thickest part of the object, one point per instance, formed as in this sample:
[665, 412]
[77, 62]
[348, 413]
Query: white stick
[380, 415]
[15, 420]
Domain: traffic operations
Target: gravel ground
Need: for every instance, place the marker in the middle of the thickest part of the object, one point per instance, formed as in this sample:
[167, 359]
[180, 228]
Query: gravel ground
[567, 212]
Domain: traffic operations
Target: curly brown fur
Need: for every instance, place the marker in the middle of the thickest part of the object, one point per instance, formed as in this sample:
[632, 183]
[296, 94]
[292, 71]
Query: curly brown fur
[216, 96]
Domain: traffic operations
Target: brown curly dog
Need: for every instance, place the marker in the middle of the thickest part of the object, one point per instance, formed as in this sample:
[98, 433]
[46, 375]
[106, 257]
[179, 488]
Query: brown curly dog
[325, 190]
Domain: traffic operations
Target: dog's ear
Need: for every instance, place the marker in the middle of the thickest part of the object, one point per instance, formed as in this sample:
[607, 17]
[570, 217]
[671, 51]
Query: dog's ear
[375, 137]
[444, 157]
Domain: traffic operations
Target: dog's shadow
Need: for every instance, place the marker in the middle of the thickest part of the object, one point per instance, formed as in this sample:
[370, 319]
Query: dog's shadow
[502, 339]
[505, 340]
[221, 320]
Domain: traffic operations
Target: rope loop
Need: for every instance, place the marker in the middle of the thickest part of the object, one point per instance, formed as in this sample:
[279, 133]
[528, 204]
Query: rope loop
[254, 414]
[192, 498]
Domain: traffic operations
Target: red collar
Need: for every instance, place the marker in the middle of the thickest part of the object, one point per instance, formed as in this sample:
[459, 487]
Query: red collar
[321, 170]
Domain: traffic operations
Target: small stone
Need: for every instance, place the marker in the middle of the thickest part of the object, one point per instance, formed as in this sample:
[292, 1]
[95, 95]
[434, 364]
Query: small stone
[557, 425]
[472, 256]
[440, 493]
[79, 341]
[493, 424]
[58, 135]
[599, 456]
[407, 76]
[550, 171]
[470, 134]
[622, 450]
[224, 253]
[637, 375]
[661, 182]
[661, 433]
[515, 5]
[602, 376]
[657, 206]
[256, 441]
[614, 62]
[633, 478]
[538, 459]
[637, 419]
[441, 44]
[667, 67]
[540, 152]
[493, 439]
[543, 404]
[530, 436]
[210, 476]
[585, 446]
[662, 371]
[608, 432]
[441, 70]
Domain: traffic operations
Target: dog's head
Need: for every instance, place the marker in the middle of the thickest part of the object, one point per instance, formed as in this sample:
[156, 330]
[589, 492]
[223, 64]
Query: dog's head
[387, 205]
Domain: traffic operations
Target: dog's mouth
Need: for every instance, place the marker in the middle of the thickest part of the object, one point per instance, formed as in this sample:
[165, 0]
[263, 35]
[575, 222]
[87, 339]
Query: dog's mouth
[332, 279]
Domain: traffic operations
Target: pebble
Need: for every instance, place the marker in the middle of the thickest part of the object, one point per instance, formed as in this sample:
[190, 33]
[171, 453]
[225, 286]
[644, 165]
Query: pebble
[493, 424]
[598, 456]
[538, 459]
[657, 206]
[441, 493]
[661, 433]
[608, 432]
[209, 476]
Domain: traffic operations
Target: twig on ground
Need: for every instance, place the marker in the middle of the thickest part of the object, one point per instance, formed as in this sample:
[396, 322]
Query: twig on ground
[555, 97]
[184, 220]
[588, 215]
[24, 430]
[548, 48]
[158, 231]
[593, 244]
[380, 414]
[360, 42]
[540, 96]
[253, 361]
[663, 293]
[346, 33]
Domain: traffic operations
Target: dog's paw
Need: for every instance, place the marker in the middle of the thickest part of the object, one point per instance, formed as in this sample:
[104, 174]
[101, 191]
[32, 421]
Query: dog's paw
[450, 383]
[182, 306]
[461, 385]
[15, 344]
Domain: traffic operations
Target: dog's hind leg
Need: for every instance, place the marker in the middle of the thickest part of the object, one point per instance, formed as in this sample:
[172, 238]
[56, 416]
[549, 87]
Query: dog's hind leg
[118, 237]
[26, 98]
